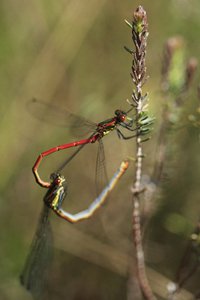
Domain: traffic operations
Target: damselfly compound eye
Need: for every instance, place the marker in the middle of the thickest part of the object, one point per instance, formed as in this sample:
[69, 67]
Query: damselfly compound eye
[122, 118]
[117, 112]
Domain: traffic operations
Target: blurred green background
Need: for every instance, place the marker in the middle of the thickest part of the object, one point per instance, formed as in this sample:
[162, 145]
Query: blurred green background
[70, 53]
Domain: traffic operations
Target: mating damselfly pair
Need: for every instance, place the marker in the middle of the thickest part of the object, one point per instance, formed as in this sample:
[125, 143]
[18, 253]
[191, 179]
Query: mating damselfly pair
[31, 277]
[56, 193]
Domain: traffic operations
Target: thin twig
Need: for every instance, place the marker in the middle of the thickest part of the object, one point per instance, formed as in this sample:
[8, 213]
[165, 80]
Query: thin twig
[138, 75]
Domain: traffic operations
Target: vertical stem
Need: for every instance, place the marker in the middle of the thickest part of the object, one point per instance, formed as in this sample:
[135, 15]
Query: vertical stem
[137, 233]
[138, 74]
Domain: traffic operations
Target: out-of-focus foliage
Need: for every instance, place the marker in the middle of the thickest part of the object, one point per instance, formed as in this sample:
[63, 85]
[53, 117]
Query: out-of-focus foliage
[70, 53]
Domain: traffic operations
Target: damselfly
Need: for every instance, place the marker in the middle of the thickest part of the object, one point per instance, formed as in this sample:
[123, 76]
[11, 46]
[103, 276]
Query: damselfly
[101, 129]
[36, 266]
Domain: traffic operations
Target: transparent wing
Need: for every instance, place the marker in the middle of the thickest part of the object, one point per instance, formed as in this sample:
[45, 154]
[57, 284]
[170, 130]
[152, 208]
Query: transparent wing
[101, 176]
[39, 257]
[65, 163]
[55, 115]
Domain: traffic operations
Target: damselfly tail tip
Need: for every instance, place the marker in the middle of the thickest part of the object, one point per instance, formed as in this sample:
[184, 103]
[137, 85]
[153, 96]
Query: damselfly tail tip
[124, 165]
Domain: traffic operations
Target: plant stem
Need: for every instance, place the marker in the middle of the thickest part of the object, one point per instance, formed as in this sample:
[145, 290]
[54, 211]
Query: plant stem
[138, 74]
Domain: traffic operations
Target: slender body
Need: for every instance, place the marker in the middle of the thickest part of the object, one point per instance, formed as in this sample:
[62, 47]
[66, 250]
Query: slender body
[96, 204]
[57, 193]
[102, 129]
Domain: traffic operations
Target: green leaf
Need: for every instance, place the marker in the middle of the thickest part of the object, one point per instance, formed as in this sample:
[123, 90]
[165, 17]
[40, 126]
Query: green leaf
[128, 50]
[128, 23]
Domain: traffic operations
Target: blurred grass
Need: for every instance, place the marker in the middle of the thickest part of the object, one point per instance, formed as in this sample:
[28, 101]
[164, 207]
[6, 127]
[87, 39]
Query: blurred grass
[71, 53]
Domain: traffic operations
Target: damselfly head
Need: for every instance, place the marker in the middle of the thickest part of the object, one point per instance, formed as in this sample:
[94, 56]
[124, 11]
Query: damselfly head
[122, 117]
[57, 179]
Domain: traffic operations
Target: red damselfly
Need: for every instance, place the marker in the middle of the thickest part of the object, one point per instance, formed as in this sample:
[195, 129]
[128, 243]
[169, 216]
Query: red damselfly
[121, 119]
[35, 270]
